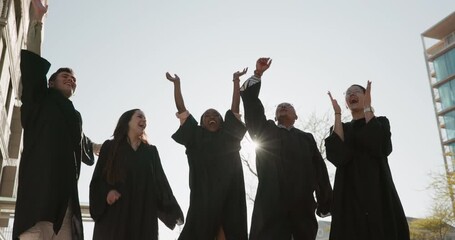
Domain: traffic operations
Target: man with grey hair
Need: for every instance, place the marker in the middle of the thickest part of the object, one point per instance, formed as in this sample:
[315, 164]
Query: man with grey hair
[290, 170]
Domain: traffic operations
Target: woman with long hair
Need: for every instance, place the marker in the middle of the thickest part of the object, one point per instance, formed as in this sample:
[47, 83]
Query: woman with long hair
[129, 190]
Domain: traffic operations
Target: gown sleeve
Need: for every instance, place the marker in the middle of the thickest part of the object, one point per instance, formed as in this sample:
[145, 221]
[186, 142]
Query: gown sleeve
[185, 134]
[169, 211]
[254, 110]
[98, 185]
[323, 188]
[234, 126]
[377, 137]
[87, 151]
[34, 83]
[336, 149]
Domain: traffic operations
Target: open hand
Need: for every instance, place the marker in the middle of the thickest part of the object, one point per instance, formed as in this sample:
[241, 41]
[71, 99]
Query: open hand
[112, 197]
[367, 99]
[262, 64]
[172, 79]
[40, 9]
[96, 148]
[238, 74]
[335, 105]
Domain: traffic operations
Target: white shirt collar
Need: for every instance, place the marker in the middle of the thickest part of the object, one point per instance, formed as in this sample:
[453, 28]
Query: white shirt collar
[287, 128]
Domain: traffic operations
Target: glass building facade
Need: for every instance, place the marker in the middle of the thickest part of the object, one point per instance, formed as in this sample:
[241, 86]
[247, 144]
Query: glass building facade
[439, 52]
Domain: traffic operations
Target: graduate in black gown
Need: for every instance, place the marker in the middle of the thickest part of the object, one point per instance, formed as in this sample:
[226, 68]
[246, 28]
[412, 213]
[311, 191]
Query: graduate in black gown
[366, 203]
[129, 189]
[54, 145]
[217, 200]
[290, 170]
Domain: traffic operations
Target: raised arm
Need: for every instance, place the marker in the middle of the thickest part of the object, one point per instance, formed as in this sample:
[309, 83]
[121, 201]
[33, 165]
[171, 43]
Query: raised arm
[35, 28]
[337, 126]
[235, 107]
[177, 92]
[262, 64]
[254, 110]
[369, 114]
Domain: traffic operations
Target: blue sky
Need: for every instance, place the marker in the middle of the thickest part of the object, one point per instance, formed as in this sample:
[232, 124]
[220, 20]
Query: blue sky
[121, 50]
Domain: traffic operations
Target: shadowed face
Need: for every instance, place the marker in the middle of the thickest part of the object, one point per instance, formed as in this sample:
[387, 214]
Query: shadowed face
[211, 120]
[285, 112]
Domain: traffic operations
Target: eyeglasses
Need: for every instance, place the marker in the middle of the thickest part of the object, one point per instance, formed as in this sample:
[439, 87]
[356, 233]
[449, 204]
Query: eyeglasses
[355, 91]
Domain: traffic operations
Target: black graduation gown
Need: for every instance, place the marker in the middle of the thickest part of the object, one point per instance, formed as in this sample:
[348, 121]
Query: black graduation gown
[145, 196]
[216, 181]
[54, 146]
[290, 169]
[366, 203]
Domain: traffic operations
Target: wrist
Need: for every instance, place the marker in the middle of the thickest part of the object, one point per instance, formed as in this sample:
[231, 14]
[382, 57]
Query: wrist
[368, 109]
[258, 73]
[337, 113]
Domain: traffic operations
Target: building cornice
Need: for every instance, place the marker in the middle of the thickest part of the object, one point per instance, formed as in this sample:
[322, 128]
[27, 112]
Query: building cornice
[442, 28]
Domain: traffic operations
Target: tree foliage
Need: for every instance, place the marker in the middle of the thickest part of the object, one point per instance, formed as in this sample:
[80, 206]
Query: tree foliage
[439, 224]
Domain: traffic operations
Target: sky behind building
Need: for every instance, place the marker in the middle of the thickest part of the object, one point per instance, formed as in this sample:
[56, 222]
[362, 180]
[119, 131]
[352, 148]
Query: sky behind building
[120, 51]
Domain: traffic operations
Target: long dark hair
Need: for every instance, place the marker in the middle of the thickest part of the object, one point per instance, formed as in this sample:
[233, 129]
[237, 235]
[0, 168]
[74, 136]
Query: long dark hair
[113, 170]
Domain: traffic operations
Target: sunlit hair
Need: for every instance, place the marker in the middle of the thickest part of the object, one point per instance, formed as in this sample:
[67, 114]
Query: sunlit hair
[284, 105]
[113, 169]
[359, 86]
[64, 69]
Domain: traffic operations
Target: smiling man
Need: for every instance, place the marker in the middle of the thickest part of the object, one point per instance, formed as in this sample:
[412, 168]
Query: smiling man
[217, 201]
[47, 205]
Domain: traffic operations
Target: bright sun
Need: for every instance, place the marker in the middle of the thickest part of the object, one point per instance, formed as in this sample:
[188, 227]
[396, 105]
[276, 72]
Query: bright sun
[249, 146]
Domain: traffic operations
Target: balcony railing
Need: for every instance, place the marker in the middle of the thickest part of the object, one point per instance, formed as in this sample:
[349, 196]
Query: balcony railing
[438, 49]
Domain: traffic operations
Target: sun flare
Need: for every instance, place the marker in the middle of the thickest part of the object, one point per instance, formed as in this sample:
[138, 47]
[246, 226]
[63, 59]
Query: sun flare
[249, 146]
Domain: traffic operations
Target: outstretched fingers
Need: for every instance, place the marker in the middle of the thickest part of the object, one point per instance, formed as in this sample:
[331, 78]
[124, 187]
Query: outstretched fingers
[244, 71]
[40, 8]
[368, 90]
[367, 100]
[330, 95]
[262, 65]
[335, 105]
[172, 78]
[238, 74]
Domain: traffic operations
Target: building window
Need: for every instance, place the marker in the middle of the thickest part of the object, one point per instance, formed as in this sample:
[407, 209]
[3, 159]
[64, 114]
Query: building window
[445, 65]
[447, 94]
[452, 152]
[449, 122]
